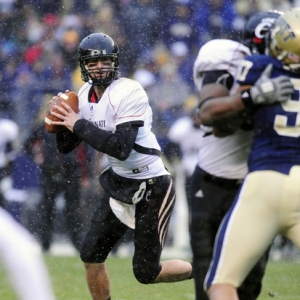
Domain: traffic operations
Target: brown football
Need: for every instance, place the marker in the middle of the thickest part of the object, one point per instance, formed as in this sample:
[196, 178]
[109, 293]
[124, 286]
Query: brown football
[71, 99]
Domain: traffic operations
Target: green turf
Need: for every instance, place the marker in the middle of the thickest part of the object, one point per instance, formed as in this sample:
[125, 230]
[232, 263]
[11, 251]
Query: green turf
[282, 281]
[67, 274]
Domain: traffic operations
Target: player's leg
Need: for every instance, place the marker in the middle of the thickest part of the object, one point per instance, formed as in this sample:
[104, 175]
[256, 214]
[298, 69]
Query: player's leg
[73, 219]
[202, 232]
[152, 219]
[46, 209]
[248, 230]
[292, 200]
[104, 232]
[223, 291]
[22, 258]
[210, 200]
[252, 285]
[173, 270]
[98, 280]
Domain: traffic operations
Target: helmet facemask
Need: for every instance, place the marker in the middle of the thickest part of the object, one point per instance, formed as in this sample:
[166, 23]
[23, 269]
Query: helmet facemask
[285, 39]
[92, 75]
[94, 47]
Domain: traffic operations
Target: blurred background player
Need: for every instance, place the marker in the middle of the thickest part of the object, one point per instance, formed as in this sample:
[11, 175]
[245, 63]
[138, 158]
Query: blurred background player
[9, 133]
[186, 132]
[59, 175]
[268, 201]
[22, 258]
[222, 160]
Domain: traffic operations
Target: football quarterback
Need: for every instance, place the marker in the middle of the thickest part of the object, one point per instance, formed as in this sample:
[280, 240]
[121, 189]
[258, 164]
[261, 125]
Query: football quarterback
[89, 49]
[115, 118]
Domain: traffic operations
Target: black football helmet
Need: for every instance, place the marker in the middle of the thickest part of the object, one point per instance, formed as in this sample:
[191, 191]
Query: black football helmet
[256, 29]
[97, 45]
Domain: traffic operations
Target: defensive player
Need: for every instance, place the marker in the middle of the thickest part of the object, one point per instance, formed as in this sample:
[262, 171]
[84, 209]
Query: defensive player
[269, 200]
[222, 160]
[115, 118]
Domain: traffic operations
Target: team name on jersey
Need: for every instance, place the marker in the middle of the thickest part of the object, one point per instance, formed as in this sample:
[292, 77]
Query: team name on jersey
[99, 124]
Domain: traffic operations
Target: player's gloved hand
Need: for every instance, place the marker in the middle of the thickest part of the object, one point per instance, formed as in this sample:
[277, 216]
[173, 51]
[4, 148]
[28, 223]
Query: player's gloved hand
[268, 90]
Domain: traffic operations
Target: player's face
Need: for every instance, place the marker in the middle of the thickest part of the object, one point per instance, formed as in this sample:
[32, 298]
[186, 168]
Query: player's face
[99, 67]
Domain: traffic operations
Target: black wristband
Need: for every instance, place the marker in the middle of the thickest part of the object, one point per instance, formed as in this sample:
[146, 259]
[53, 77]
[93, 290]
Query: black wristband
[247, 100]
[203, 101]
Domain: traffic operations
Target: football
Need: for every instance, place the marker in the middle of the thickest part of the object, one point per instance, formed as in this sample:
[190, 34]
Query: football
[71, 99]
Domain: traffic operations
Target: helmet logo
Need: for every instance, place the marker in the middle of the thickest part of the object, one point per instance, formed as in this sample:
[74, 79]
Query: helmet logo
[262, 28]
[98, 52]
[293, 57]
[92, 109]
[285, 30]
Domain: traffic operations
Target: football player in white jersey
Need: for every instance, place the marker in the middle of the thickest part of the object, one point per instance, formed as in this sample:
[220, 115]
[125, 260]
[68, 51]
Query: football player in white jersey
[22, 258]
[222, 159]
[115, 118]
[20, 253]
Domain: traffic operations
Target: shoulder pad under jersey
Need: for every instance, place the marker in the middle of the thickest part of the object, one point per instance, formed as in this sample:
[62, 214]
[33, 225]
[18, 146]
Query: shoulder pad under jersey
[219, 54]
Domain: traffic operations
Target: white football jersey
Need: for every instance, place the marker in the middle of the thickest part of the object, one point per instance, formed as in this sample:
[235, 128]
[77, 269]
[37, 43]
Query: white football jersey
[227, 156]
[219, 54]
[124, 101]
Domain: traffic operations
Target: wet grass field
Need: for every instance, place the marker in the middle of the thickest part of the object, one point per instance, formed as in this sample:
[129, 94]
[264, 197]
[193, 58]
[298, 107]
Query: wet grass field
[282, 282]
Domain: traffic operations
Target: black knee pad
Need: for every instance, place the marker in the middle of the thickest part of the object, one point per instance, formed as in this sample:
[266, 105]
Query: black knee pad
[252, 285]
[249, 292]
[89, 253]
[145, 273]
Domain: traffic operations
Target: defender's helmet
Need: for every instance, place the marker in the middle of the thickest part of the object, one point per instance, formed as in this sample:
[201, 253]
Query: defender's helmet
[97, 45]
[285, 39]
[256, 28]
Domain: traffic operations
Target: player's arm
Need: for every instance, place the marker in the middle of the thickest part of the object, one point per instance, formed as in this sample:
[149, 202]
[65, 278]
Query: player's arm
[215, 107]
[67, 141]
[118, 144]
[265, 91]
